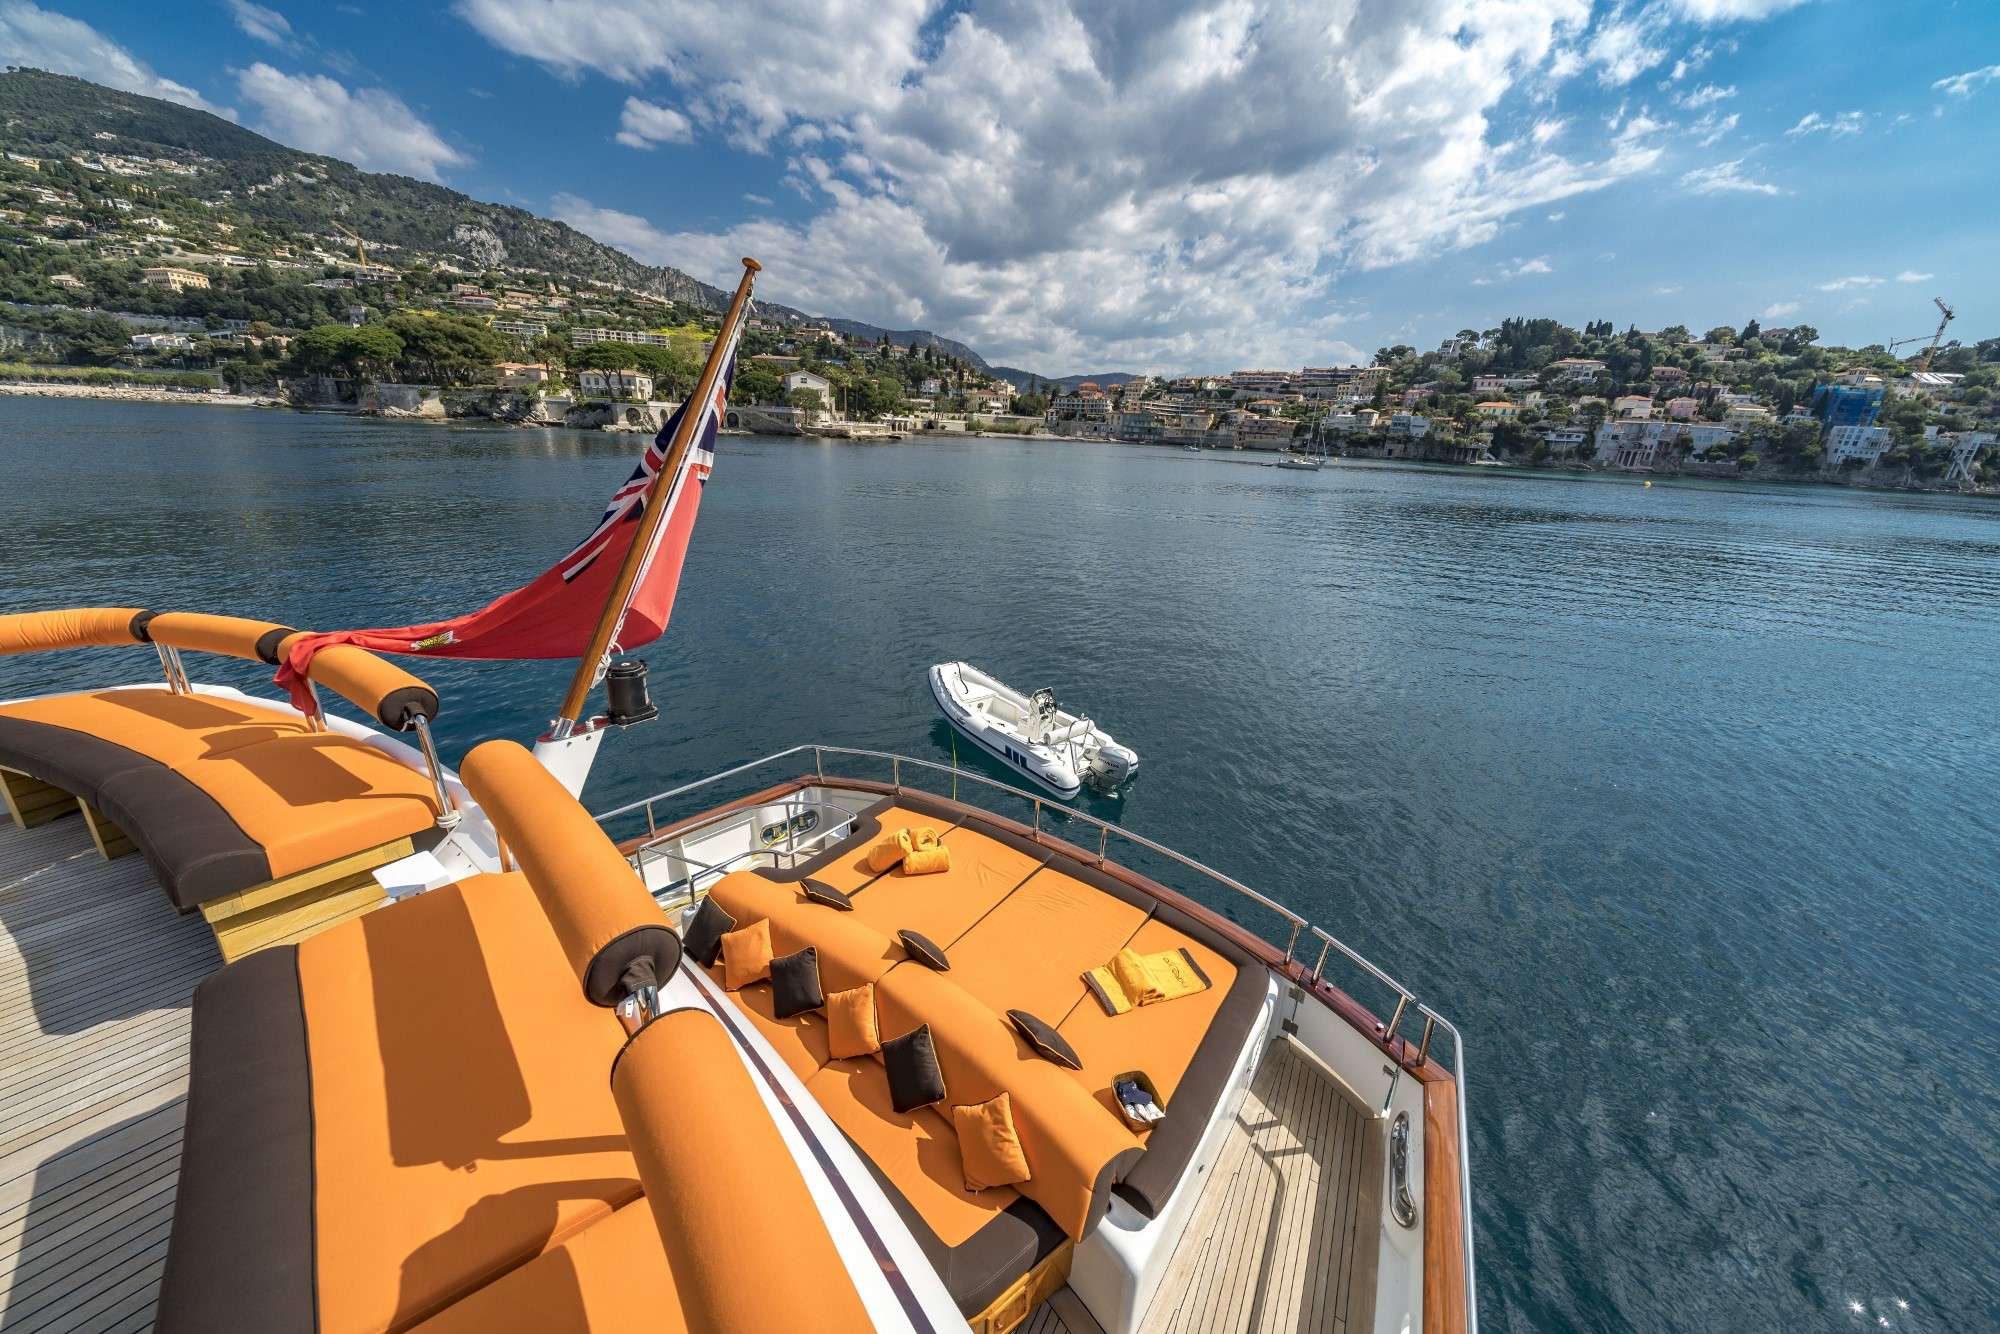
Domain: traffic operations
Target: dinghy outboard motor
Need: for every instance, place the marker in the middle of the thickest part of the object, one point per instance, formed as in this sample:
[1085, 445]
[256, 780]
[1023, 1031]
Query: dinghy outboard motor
[1112, 764]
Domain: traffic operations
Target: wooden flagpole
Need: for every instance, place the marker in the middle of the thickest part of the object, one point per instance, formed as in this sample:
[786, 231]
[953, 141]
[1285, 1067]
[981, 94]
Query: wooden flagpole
[655, 512]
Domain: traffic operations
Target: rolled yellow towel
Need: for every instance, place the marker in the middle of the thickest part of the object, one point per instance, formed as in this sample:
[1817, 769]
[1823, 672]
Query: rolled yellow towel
[929, 860]
[889, 852]
[923, 836]
[1134, 978]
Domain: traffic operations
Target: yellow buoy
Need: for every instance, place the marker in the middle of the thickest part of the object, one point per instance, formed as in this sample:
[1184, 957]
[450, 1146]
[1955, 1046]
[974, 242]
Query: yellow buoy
[1649, 486]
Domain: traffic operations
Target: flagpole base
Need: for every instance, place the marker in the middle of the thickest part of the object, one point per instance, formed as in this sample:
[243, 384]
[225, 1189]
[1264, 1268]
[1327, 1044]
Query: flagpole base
[569, 757]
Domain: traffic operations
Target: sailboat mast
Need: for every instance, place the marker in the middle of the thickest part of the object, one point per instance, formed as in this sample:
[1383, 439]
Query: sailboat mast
[654, 514]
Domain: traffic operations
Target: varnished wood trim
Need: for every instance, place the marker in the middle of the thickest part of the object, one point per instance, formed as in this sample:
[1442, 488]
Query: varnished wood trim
[1444, 1221]
[112, 842]
[30, 801]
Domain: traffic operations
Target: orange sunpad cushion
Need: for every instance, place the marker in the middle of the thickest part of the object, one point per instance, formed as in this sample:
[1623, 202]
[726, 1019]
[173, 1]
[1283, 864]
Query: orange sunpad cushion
[1133, 979]
[850, 1019]
[746, 955]
[988, 1145]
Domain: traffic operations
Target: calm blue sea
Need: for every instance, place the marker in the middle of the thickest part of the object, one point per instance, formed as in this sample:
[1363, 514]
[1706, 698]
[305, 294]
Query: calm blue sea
[1681, 801]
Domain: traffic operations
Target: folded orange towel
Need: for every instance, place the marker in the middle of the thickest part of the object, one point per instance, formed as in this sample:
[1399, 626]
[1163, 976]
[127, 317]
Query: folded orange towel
[923, 836]
[889, 852]
[929, 860]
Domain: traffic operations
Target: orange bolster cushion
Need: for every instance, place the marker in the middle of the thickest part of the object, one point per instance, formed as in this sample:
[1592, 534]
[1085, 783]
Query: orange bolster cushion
[850, 1023]
[374, 684]
[748, 1248]
[228, 636]
[746, 955]
[76, 627]
[989, 1148]
[587, 889]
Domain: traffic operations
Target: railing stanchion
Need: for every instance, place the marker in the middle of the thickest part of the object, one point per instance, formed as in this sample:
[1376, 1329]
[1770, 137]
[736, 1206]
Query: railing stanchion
[1293, 943]
[1424, 1051]
[896, 773]
[1389, 1033]
[1103, 836]
[1038, 819]
[1319, 969]
[819, 770]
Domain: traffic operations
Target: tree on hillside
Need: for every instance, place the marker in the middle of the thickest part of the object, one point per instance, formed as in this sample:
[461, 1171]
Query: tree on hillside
[446, 349]
[755, 385]
[807, 403]
[369, 352]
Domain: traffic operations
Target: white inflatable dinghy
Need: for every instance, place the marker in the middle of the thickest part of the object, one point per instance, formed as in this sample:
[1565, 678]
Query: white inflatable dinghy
[1030, 733]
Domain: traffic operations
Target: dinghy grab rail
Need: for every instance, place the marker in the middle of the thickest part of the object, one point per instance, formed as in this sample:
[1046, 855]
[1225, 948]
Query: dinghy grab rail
[1387, 1034]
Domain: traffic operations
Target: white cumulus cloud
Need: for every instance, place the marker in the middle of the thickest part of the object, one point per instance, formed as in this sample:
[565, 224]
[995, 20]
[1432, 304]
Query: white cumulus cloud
[30, 35]
[1098, 181]
[644, 124]
[1706, 95]
[1857, 280]
[1727, 178]
[1966, 84]
[371, 128]
[1778, 310]
[1712, 127]
[1912, 276]
[1846, 123]
[264, 24]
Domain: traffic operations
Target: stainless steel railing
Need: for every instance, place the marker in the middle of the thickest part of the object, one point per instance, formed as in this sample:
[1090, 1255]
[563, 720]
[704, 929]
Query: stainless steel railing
[1297, 926]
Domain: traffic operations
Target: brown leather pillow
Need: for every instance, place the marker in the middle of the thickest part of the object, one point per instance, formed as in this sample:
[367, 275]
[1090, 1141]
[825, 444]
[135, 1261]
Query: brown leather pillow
[795, 985]
[818, 891]
[701, 938]
[923, 951]
[914, 1077]
[1048, 1044]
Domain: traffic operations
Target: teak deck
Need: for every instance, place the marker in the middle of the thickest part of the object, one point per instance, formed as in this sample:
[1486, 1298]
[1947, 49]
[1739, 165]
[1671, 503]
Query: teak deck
[96, 970]
[1283, 1237]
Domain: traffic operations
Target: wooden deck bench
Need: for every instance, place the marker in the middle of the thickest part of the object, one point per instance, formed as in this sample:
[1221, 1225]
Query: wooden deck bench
[267, 821]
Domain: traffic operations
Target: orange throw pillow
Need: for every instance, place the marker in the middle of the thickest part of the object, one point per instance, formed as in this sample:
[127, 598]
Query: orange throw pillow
[850, 1022]
[989, 1150]
[746, 955]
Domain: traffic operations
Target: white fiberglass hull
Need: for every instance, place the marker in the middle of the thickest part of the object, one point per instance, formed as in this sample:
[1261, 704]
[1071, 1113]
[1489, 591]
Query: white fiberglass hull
[1059, 751]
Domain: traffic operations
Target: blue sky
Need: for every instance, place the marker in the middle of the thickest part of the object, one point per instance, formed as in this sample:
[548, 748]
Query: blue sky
[1081, 185]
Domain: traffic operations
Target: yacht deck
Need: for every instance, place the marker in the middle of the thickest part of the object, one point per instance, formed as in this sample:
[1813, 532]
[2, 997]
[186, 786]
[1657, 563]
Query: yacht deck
[96, 972]
[1283, 1237]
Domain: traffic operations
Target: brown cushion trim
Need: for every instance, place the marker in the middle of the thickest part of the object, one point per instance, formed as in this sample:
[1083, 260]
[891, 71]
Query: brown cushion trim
[139, 623]
[654, 949]
[242, 1254]
[195, 850]
[977, 1270]
[1171, 1145]
[401, 707]
[267, 643]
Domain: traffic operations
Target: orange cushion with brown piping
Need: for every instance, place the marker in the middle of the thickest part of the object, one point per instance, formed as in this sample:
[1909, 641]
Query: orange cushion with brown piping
[983, 872]
[746, 955]
[612, 1275]
[801, 1041]
[461, 1123]
[988, 1145]
[75, 627]
[588, 890]
[1158, 1039]
[850, 1023]
[1066, 927]
[155, 722]
[748, 1248]
[851, 952]
[1076, 1146]
[311, 799]
[916, 1152]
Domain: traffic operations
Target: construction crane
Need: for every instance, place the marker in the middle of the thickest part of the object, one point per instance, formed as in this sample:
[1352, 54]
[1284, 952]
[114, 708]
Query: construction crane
[1946, 316]
[361, 254]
